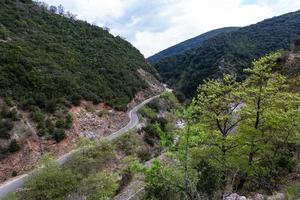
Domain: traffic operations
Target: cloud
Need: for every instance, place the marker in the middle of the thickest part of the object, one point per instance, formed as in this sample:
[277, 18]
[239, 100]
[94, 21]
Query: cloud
[153, 25]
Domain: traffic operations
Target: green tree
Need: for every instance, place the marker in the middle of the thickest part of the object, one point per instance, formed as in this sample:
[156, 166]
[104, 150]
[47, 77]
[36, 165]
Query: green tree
[99, 186]
[49, 183]
[271, 124]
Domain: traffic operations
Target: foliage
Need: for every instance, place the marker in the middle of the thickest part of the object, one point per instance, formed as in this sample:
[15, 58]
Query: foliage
[292, 192]
[91, 158]
[50, 182]
[148, 112]
[13, 146]
[99, 186]
[127, 143]
[188, 44]
[59, 135]
[50, 59]
[228, 53]
[239, 136]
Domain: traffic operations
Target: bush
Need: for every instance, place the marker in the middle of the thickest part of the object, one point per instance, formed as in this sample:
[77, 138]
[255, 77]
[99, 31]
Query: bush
[69, 121]
[99, 186]
[37, 115]
[59, 135]
[14, 174]
[50, 126]
[151, 135]
[148, 113]
[144, 154]
[292, 192]
[14, 146]
[60, 122]
[161, 121]
[127, 143]
[49, 183]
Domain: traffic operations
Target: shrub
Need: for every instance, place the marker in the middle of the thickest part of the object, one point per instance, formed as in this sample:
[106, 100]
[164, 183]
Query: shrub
[75, 99]
[292, 192]
[14, 174]
[59, 135]
[148, 113]
[49, 183]
[60, 122]
[151, 135]
[69, 121]
[127, 143]
[37, 116]
[49, 126]
[14, 146]
[99, 186]
[144, 154]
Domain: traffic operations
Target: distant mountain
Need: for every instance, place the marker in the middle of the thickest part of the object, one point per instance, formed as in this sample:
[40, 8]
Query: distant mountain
[49, 58]
[188, 44]
[229, 52]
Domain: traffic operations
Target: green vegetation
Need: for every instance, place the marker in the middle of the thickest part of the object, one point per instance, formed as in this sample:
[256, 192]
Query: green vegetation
[228, 53]
[50, 61]
[188, 44]
[100, 169]
[239, 137]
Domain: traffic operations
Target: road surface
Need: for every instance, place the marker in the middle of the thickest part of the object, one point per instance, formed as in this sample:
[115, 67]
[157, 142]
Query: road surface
[18, 182]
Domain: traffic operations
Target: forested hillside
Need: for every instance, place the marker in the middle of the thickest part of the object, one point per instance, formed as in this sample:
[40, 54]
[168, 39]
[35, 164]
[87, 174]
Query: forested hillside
[229, 52]
[188, 44]
[48, 59]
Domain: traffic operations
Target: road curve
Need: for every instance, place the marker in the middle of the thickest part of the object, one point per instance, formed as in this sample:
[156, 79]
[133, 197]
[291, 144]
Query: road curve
[18, 182]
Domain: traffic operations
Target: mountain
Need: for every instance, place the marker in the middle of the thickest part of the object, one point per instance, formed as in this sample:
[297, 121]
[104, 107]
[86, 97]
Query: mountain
[188, 44]
[229, 52]
[48, 59]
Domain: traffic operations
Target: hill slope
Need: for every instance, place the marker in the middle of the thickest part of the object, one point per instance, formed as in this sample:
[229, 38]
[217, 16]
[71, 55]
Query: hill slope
[229, 52]
[188, 44]
[50, 59]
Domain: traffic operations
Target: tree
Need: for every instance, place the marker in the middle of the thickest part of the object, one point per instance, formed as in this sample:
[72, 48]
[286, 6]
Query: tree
[61, 10]
[70, 15]
[217, 112]
[266, 132]
[59, 135]
[14, 146]
[99, 186]
[53, 9]
[49, 183]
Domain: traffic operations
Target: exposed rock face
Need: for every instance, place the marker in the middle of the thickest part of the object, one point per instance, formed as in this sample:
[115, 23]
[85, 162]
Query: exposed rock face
[87, 122]
[155, 88]
[92, 121]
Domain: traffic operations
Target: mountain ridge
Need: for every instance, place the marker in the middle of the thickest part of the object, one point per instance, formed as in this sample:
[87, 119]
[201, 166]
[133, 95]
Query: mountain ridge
[188, 44]
[230, 52]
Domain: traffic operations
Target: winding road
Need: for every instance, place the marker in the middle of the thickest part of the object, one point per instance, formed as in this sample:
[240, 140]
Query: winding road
[18, 182]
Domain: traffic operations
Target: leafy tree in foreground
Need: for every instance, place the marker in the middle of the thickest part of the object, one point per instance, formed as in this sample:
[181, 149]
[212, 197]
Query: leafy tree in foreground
[238, 137]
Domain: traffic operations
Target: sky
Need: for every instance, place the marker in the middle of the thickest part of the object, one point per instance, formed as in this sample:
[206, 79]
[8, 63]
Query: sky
[153, 25]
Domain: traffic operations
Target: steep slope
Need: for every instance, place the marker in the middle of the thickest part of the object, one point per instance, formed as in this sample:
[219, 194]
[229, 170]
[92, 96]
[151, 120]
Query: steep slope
[188, 44]
[60, 79]
[229, 52]
[50, 59]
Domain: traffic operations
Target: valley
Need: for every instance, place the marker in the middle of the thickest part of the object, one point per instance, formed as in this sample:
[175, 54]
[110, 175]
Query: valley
[85, 116]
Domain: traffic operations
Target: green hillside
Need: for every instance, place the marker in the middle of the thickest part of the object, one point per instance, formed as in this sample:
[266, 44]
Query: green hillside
[229, 52]
[189, 44]
[48, 60]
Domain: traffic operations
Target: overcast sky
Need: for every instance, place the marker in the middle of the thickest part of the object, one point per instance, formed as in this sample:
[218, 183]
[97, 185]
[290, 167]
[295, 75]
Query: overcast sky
[153, 25]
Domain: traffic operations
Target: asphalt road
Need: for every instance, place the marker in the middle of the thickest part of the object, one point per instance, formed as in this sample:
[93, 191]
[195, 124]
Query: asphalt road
[18, 182]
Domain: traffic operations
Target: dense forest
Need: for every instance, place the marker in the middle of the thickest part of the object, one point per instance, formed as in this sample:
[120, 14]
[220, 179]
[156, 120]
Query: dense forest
[239, 137]
[48, 58]
[188, 44]
[229, 52]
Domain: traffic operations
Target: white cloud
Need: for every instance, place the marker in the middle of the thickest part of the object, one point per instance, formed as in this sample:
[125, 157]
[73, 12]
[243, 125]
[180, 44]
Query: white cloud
[153, 25]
